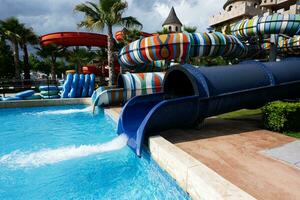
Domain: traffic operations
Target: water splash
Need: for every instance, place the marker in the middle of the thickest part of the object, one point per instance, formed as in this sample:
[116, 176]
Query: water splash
[51, 156]
[64, 112]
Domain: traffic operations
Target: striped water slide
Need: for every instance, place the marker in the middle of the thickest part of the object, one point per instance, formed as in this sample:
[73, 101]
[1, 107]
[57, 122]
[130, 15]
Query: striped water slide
[129, 85]
[180, 46]
[288, 25]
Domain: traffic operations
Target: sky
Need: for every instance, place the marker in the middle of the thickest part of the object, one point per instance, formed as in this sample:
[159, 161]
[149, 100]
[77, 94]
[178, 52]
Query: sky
[46, 16]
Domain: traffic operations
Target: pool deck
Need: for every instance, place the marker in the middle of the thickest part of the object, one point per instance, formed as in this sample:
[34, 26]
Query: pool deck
[229, 159]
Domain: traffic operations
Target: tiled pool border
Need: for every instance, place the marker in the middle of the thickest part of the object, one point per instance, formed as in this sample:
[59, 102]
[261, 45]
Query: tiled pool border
[198, 180]
[44, 102]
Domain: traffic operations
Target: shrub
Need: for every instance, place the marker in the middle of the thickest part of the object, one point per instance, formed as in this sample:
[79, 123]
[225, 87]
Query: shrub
[282, 116]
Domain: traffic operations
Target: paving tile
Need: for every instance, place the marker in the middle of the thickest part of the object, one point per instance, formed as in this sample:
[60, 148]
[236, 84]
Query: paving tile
[289, 152]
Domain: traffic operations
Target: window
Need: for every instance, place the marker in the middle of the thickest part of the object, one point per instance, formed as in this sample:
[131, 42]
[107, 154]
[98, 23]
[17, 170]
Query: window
[170, 28]
[176, 28]
[229, 8]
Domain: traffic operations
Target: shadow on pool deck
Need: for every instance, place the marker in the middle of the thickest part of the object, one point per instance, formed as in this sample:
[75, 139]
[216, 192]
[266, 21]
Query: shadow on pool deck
[233, 148]
[212, 128]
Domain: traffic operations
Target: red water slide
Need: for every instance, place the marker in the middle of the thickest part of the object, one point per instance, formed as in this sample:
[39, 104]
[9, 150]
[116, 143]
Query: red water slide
[74, 39]
[67, 39]
[119, 35]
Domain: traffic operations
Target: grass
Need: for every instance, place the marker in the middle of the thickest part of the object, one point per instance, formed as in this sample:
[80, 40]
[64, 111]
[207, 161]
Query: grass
[293, 134]
[245, 113]
[240, 113]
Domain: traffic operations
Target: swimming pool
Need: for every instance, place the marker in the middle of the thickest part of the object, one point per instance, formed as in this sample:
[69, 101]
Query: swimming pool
[56, 153]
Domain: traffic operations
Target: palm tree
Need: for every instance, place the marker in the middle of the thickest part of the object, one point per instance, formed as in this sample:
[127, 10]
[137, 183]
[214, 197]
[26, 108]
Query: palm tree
[130, 35]
[11, 28]
[107, 13]
[51, 52]
[79, 57]
[190, 29]
[27, 36]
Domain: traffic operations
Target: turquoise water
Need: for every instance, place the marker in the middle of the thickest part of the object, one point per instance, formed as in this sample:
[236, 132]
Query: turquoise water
[67, 153]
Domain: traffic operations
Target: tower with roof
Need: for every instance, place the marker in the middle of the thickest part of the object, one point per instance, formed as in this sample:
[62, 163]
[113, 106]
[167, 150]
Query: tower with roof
[172, 23]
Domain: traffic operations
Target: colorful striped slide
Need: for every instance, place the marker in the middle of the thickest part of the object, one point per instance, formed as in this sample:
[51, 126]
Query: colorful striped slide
[288, 25]
[129, 85]
[181, 46]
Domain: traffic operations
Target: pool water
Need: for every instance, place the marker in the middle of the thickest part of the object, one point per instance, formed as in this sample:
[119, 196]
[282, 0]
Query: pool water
[62, 153]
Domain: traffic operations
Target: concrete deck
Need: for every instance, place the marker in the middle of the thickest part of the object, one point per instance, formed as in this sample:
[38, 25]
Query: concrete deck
[289, 153]
[233, 149]
[239, 151]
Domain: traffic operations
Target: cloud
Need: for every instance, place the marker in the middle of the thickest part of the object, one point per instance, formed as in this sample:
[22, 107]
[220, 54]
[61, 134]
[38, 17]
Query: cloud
[57, 15]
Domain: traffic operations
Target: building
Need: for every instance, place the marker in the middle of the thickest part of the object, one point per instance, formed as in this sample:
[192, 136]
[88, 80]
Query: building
[236, 10]
[281, 6]
[172, 23]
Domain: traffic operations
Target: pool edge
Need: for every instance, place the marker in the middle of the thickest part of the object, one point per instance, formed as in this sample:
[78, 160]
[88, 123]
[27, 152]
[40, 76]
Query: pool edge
[195, 178]
[44, 103]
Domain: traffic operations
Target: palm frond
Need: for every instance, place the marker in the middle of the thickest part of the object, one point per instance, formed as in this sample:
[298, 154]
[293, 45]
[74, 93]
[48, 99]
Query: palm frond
[93, 16]
[131, 22]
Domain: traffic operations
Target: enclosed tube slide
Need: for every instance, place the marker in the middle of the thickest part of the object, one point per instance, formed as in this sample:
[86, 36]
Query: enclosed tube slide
[180, 46]
[192, 94]
[288, 25]
[267, 25]
[129, 85]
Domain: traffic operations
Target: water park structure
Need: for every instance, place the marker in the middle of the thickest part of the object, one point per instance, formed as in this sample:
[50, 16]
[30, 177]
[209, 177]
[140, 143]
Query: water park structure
[182, 46]
[159, 108]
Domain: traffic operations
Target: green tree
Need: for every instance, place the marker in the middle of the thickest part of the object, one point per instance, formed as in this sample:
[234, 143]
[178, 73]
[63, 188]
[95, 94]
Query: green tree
[130, 35]
[164, 31]
[79, 57]
[27, 36]
[107, 13]
[209, 61]
[40, 65]
[6, 61]
[190, 29]
[51, 52]
[11, 28]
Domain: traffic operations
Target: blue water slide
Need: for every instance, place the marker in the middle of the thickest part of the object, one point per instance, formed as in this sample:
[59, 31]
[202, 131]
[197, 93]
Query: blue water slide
[48, 88]
[192, 94]
[75, 82]
[67, 86]
[80, 85]
[51, 97]
[92, 85]
[86, 86]
[11, 98]
[25, 94]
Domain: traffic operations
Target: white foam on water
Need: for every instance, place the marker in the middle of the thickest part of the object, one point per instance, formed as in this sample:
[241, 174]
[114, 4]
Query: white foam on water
[50, 156]
[64, 112]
